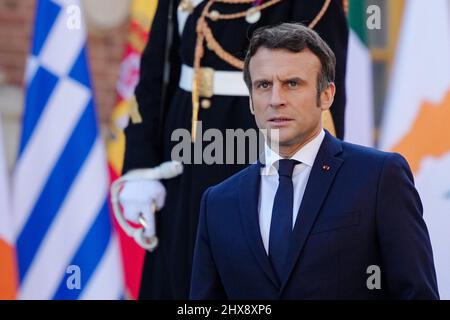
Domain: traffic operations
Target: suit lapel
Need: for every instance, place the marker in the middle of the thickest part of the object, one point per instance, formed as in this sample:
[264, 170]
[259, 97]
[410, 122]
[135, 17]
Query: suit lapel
[321, 177]
[248, 202]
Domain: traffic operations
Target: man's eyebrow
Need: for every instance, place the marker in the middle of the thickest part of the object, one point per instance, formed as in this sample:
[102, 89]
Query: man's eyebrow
[258, 81]
[295, 78]
[284, 80]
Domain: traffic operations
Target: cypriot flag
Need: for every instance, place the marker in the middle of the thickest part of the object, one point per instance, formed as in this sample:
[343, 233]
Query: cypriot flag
[416, 122]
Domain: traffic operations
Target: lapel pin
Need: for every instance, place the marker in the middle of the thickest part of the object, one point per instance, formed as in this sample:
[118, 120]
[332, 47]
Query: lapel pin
[326, 167]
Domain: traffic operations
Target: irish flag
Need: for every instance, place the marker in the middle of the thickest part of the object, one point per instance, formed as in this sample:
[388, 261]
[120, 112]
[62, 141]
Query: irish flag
[8, 280]
[359, 122]
[417, 118]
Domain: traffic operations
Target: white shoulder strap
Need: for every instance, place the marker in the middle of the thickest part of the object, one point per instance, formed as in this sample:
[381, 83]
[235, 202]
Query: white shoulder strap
[182, 15]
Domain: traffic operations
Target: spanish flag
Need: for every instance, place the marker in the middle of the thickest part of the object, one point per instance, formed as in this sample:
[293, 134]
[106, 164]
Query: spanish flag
[142, 13]
[8, 275]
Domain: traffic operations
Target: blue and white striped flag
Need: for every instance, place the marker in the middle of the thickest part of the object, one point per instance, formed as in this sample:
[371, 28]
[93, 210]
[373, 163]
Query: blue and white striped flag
[65, 242]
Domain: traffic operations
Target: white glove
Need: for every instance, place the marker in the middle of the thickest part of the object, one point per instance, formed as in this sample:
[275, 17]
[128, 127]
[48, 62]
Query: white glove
[137, 197]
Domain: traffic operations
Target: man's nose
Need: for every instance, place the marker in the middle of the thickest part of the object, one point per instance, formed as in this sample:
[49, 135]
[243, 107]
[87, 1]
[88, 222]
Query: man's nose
[277, 98]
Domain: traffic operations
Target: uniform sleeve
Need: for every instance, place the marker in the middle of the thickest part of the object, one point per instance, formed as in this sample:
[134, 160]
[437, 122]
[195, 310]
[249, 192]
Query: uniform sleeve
[143, 146]
[406, 253]
[333, 28]
[205, 282]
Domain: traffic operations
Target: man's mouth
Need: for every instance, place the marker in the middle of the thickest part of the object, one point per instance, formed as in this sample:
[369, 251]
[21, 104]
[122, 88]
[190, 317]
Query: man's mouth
[279, 121]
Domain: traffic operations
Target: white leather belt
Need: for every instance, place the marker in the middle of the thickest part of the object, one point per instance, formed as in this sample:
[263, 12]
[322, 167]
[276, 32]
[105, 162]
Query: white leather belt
[225, 83]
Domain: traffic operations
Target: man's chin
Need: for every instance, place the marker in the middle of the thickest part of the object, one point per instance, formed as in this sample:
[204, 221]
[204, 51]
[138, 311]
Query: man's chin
[281, 133]
[281, 139]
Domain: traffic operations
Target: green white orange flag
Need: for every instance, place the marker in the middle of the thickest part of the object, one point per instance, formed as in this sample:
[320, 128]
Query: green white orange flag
[416, 121]
[359, 122]
[8, 280]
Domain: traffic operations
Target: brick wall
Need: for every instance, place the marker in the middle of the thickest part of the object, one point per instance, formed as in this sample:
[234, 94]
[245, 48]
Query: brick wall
[105, 51]
[15, 28]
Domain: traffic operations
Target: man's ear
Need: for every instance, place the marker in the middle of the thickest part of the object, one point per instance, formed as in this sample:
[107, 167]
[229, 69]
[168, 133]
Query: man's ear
[327, 96]
[250, 103]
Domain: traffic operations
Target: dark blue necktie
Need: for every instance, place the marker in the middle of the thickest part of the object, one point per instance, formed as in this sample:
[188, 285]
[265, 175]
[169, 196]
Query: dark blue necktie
[281, 223]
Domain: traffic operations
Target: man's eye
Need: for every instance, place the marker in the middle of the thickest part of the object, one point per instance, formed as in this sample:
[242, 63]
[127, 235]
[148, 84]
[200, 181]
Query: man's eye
[263, 85]
[292, 84]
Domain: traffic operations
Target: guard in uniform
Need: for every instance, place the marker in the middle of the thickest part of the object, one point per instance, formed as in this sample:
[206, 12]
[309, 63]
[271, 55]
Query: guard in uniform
[191, 70]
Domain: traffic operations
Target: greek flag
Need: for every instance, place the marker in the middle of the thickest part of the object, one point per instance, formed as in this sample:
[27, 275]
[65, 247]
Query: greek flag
[66, 247]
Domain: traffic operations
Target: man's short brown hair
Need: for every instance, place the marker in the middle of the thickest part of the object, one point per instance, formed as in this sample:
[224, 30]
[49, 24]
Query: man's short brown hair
[293, 37]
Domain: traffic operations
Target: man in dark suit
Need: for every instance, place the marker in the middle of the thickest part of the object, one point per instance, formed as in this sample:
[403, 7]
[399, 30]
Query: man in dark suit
[319, 218]
[165, 99]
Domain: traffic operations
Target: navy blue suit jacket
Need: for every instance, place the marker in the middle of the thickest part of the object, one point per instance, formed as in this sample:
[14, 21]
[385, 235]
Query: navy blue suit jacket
[363, 211]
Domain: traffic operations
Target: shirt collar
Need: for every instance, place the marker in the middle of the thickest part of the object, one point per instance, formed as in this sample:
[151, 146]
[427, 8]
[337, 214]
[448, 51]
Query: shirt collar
[306, 155]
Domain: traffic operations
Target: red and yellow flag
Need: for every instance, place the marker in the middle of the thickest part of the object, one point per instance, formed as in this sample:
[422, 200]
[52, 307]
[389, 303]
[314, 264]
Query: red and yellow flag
[142, 13]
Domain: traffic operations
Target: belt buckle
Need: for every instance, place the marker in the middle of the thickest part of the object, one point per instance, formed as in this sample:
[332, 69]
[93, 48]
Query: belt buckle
[206, 84]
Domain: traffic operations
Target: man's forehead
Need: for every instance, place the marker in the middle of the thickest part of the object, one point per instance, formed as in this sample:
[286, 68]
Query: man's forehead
[283, 63]
[267, 53]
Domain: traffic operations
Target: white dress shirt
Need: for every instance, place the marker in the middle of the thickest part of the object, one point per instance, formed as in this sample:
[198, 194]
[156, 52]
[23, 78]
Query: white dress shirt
[269, 182]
